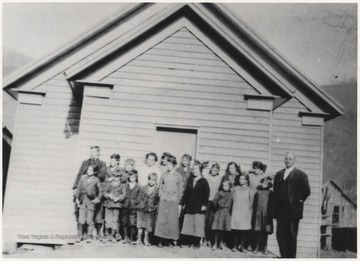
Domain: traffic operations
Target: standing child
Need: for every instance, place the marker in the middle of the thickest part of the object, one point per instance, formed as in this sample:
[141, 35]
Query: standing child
[170, 193]
[104, 179]
[214, 178]
[88, 195]
[256, 174]
[232, 171]
[222, 217]
[114, 165]
[129, 167]
[114, 194]
[148, 201]
[194, 200]
[133, 190]
[149, 167]
[241, 212]
[262, 215]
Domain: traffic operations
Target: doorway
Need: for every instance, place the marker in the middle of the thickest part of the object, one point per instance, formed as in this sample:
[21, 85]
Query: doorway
[176, 141]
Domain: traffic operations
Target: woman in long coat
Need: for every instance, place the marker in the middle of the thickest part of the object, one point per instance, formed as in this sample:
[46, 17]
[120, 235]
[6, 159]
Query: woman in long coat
[195, 200]
[170, 193]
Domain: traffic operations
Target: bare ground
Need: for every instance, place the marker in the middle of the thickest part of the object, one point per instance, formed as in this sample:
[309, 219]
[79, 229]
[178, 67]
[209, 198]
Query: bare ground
[96, 249]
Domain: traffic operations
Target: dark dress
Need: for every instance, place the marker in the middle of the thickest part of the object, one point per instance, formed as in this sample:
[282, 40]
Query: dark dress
[263, 208]
[222, 204]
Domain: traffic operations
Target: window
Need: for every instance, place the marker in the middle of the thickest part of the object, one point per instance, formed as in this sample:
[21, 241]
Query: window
[335, 215]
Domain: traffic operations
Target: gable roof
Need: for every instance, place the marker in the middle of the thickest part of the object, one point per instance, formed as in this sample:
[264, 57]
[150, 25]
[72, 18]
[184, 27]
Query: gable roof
[331, 182]
[250, 54]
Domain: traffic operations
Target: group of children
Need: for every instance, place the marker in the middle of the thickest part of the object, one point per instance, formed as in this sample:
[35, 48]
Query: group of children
[173, 206]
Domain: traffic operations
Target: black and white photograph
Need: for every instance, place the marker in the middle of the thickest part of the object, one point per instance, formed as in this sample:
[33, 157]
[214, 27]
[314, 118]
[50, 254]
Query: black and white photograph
[179, 130]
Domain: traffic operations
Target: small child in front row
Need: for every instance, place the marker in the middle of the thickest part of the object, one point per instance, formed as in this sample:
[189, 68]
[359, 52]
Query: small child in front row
[241, 212]
[263, 214]
[114, 194]
[88, 195]
[148, 201]
[222, 217]
[133, 189]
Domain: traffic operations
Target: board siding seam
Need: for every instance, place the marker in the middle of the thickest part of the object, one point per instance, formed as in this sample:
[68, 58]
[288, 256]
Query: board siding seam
[158, 74]
[245, 114]
[270, 139]
[231, 123]
[321, 180]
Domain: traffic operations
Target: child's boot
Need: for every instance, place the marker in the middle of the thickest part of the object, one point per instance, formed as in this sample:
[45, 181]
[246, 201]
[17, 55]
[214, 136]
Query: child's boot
[113, 236]
[132, 235]
[139, 234]
[118, 236]
[80, 234]
[90, 233]
[256, 249]
[146, 239]
[126, 236]
[98, 230]
[265, 251]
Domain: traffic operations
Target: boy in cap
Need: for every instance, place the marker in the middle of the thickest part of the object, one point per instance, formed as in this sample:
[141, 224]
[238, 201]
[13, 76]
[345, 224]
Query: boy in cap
[114, 194]
[88, 195]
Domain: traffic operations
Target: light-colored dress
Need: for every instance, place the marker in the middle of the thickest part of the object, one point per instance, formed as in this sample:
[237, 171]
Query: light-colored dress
[170, 193]
[242, 208]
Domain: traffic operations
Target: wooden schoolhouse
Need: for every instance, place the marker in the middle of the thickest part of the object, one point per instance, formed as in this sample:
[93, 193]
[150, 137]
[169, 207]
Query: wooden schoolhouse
[180, 77]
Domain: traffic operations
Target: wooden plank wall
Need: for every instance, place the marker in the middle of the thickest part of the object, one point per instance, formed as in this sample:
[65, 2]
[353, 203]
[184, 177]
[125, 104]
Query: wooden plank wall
[288, 134]
[39, 188]
[347, 215]
[178, 82]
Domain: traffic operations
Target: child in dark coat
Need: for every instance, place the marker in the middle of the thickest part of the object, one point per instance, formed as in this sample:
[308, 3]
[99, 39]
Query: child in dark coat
[222, 204]
[263, 214]
[133, 189]
[148, 201]
[194, 201]
[114, 194]
[88, 195]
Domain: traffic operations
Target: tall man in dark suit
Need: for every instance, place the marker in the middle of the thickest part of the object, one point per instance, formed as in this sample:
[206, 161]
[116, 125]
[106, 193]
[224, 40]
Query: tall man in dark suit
[291, 188]
[98, 164]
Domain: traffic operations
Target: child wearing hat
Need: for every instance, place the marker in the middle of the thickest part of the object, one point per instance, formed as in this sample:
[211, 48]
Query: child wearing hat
[148, 201]
[263, 214]
[170, 193]
[114, 194]
[88, 195]
[194, 202]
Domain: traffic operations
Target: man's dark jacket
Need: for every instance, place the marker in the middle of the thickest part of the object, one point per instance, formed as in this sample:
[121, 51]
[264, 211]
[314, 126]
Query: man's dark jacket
[298, 191]
[101, 173]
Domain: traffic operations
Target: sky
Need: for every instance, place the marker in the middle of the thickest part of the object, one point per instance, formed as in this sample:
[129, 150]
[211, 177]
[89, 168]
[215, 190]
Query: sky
[318, 39]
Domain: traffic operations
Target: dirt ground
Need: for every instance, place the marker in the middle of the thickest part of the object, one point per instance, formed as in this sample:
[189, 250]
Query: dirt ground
[118, 250]
[337, 254]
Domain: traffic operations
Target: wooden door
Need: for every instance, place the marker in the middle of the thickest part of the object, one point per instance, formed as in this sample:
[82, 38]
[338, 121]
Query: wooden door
[176, 141]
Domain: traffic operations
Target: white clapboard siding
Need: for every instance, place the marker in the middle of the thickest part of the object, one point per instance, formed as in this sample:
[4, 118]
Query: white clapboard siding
[178, 82]
[42, 167]
[288, 134]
